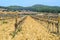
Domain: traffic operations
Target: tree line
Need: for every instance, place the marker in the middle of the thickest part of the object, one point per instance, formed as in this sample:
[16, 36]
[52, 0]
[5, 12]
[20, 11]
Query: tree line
[36, 8]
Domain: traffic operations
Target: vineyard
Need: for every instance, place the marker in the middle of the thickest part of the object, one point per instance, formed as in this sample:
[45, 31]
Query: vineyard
[29, 27]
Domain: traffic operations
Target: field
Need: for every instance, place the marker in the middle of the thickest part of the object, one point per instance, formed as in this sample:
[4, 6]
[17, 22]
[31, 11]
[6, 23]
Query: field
[28, 27]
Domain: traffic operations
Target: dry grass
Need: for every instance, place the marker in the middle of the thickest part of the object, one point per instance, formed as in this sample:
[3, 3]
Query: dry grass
[31, 30]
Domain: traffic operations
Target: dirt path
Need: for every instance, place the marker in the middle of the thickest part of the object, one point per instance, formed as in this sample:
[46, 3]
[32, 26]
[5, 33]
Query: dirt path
[32, 30]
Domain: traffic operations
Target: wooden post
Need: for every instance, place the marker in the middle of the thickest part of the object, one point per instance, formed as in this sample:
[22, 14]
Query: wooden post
[52, 27]
[59, 23]
[48, 23]
[16, 25]
[57, 27]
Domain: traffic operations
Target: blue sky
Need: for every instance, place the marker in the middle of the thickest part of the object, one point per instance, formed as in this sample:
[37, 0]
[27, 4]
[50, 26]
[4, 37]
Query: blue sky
[29, 2]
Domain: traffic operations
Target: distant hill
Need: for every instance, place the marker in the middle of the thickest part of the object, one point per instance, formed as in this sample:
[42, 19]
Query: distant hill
[44, 8]
[15, 7]
[37, 8]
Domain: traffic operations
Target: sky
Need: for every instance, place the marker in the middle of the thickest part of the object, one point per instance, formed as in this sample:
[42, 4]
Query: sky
[29, 2]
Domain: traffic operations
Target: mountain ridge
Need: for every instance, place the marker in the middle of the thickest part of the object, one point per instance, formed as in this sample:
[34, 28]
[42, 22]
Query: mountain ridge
[37, 8]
